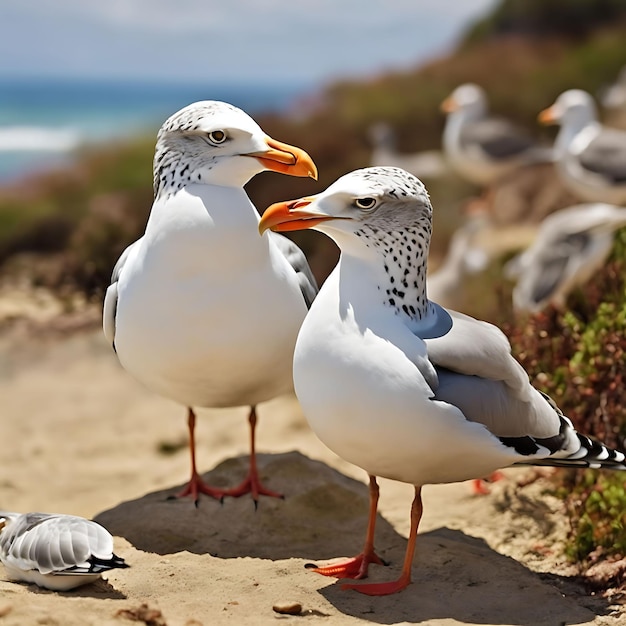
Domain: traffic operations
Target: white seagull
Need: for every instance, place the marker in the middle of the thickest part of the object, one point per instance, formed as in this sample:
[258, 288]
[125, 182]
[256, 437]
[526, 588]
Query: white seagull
[482, 148]
[590, 158]
[58, 552]
[398, 385]
[571, 246]
[200, 309]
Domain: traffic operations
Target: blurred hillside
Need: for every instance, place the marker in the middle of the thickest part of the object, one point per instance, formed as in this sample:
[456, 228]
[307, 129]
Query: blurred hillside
[523, 53]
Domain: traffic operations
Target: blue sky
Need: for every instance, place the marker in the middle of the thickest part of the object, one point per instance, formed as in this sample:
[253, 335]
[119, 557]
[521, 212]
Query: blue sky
[226, 40]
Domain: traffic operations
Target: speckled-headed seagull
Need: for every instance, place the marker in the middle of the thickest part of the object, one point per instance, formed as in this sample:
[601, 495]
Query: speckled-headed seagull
[58, 552]
[395, 383]
[590, 157]
[200, 309]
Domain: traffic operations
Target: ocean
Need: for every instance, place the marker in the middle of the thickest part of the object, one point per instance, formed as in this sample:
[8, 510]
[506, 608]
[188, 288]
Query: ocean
[43, 121]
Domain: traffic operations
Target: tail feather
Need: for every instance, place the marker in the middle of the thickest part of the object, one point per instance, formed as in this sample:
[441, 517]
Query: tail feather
[592, 454]
[589, 453]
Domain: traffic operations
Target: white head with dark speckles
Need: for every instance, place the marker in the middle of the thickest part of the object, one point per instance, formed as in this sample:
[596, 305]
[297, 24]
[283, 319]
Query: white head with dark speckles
[201, 143]
[382, 214]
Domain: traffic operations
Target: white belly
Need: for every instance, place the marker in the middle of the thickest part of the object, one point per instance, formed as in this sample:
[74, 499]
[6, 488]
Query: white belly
[368, 402]
[211, 323]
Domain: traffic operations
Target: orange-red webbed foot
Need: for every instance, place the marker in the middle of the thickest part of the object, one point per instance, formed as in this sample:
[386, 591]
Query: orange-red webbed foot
[356, 567]
[380, 589]
[195, 487]
[479, 486]
[252, 485]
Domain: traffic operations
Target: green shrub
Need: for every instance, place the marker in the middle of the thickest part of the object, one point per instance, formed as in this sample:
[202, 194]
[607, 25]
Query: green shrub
[579, 358]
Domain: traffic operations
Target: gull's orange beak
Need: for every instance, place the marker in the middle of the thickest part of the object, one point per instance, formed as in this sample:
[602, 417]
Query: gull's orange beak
[286, 159]
[291, 215]
[449, 105]
[548, 116]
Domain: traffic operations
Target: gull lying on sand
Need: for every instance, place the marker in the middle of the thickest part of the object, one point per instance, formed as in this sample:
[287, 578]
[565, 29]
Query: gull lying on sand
[58, 552]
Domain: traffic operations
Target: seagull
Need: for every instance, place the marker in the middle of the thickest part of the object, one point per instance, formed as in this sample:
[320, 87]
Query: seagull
[58, 552]
[483, 149]
[397, 384]
[571, 246]
[590, 158]
[200, 310]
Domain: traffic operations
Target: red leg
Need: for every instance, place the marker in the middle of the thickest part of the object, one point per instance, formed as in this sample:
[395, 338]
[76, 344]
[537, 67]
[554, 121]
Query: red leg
[384, 589]
[196, 485]
[252, 483]
[357, 566]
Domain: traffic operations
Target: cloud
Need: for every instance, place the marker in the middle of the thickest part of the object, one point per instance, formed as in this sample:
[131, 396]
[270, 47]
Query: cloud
[214, 38]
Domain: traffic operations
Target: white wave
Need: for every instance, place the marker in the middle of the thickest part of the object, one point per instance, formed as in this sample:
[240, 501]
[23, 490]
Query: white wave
[38, 139]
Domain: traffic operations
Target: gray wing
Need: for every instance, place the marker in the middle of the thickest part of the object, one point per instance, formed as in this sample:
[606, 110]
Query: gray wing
[477, 373]
[57, 544]
[109, 308]
[496, 137]
[606, 155]
[549, 269]
[569, 245]
[297, 260]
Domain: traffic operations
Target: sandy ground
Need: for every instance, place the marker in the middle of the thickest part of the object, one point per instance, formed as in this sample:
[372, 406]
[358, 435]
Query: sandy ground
[78, 435]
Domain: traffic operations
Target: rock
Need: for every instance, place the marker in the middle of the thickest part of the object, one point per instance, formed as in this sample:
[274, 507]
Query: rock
[288, 608]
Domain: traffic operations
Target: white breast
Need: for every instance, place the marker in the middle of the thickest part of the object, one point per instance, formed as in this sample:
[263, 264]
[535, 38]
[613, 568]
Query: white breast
[367, 400]
[208, 311]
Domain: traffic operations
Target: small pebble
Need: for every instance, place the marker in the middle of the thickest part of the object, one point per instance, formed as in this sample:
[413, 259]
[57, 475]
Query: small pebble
[288, 608]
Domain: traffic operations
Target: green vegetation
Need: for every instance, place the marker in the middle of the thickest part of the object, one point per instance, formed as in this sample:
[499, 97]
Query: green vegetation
[579, 357]
[596, 505]
[83, 216]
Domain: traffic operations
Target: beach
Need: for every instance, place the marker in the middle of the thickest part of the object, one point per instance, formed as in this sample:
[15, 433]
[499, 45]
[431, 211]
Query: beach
[80, 436]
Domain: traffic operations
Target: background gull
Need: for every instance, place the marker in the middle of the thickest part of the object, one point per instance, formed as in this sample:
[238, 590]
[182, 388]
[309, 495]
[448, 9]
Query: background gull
[590, 157]
[398, 385]
[200, 309]
[571, 245]
[58, 552]
[483, 148]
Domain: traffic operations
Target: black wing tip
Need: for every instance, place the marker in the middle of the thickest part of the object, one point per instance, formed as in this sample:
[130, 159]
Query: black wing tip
[97, 565]
[595, 455]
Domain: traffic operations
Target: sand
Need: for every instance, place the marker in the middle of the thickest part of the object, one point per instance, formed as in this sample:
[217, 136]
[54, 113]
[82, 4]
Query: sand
[78, 435]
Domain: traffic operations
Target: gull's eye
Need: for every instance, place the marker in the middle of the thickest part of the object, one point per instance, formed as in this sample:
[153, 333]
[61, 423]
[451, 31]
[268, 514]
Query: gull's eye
[365, 203]
[217, 137]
